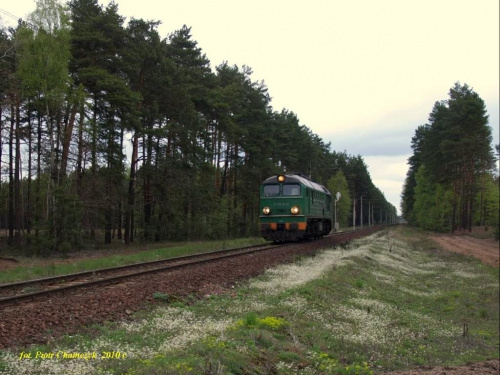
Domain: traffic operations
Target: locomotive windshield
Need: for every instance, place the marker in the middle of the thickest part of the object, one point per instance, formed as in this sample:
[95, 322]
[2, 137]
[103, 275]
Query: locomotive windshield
[271, 190]
[291, 189]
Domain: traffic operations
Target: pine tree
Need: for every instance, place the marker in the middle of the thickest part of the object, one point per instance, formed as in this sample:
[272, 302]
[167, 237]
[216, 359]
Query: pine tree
[455, 148]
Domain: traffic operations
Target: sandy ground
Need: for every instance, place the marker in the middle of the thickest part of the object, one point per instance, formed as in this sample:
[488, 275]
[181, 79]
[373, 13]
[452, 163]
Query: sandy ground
[482, 368]
[487, 250]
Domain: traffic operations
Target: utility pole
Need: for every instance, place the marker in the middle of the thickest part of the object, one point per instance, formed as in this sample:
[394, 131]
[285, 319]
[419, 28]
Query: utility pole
[369, 211]
[361, 212]
[354, 213]
[336, 200]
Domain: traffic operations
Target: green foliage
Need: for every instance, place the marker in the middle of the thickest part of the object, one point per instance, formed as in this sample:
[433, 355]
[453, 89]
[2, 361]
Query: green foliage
[488, 200]
[250, 320]
[159, 296]
[324, 363]
[455, 149]
[338, 183]
[432, 206]
[44, 56]
[359, 284]
[66, 216]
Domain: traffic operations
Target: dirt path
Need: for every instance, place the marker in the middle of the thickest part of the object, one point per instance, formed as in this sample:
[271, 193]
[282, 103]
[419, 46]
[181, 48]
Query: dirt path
[482, 368]
[486, 250]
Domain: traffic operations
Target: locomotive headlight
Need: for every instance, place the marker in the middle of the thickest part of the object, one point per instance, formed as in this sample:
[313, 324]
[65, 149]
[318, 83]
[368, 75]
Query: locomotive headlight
[266, 210]
[295, 210]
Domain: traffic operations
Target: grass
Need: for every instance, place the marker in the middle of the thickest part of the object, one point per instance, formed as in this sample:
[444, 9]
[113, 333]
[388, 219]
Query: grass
[79, 265]
[391, 302]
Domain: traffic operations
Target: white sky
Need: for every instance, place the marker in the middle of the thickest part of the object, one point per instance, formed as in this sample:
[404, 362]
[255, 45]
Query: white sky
[362, 74]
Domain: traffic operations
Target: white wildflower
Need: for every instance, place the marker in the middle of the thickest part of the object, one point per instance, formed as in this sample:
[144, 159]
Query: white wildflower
[417, 293]
[288, 276]
[465, 274]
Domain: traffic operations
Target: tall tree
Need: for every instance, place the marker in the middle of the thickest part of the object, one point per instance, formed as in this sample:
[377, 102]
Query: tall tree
[44, 79]
[98, 47]
[415, 161]
[455, 149]
[466, 147]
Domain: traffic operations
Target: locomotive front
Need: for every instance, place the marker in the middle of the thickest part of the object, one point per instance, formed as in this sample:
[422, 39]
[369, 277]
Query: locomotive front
[282, 201]
[293, 207]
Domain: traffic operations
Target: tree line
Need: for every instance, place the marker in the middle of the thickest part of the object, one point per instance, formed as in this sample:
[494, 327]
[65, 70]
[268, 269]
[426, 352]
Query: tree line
[109, 131]
[452, 182]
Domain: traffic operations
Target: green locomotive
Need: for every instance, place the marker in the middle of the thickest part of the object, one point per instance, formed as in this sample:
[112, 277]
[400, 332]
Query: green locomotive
[293, 207]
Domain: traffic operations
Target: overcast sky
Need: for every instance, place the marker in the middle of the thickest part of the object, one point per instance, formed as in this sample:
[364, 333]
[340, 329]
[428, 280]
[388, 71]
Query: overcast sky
[362, 74]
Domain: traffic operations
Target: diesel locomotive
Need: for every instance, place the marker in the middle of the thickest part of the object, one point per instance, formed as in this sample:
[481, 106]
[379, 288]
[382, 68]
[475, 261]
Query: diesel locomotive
[292, 207]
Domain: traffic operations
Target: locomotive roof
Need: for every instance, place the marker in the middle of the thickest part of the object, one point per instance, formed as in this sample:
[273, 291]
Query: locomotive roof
[295, 178]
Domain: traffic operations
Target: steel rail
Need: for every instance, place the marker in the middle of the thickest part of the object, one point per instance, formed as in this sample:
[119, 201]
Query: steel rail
[186, 260]
[76, 275]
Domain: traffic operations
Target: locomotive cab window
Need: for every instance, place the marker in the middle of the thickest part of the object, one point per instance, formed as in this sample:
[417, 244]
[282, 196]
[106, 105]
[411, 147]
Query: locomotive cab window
[271, 190]
[291, 189]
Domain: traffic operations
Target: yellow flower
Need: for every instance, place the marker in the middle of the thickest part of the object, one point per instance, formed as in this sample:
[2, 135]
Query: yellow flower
[271, 322]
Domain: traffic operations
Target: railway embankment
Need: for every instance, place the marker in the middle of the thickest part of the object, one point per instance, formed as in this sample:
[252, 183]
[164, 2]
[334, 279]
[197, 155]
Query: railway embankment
[392, 301]
[67, 313]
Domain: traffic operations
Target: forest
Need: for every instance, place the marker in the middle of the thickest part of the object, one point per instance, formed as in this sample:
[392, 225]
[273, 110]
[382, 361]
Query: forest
[452, 183]
[109, 132]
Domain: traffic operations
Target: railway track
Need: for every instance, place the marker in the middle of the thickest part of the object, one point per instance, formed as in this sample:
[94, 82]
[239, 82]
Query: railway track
[32, 290]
